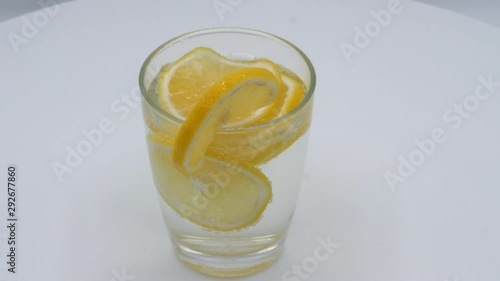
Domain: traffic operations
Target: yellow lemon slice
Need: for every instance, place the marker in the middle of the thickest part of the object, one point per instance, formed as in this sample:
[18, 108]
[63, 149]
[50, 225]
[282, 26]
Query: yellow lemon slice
[294, 94]
[220, 196]
[181, 83]
[259, 145]
[245, 89]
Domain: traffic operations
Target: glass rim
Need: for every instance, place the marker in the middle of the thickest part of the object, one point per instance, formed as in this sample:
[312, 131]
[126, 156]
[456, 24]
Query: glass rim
[179, 38]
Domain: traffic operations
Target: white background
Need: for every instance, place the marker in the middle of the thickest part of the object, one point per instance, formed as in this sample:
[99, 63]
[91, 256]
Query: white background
[103, 219]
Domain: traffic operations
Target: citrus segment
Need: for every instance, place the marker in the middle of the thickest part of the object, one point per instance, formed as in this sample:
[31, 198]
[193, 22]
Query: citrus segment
[222, 197]
[259, 145]
[212, 108]
[294, 94]
[181, 83]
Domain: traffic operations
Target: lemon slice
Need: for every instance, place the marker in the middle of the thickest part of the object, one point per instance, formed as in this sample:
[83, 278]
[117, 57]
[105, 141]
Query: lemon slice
[293, 96]
[260, 145]
[248, 88]
[181, 83]
[221, 197]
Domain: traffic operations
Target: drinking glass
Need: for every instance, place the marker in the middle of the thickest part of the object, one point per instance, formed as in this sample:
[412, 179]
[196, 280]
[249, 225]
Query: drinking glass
[275, 149]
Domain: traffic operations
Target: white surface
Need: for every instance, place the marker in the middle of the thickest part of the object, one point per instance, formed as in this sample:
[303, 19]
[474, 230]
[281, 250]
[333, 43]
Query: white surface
[13, 8]
[442, 223]
[482, 10]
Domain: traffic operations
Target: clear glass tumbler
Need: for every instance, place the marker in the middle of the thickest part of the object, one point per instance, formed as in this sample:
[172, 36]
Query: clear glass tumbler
[271, 153]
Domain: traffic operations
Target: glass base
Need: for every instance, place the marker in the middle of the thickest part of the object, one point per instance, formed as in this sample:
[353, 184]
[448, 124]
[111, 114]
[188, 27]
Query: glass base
[227, 265]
